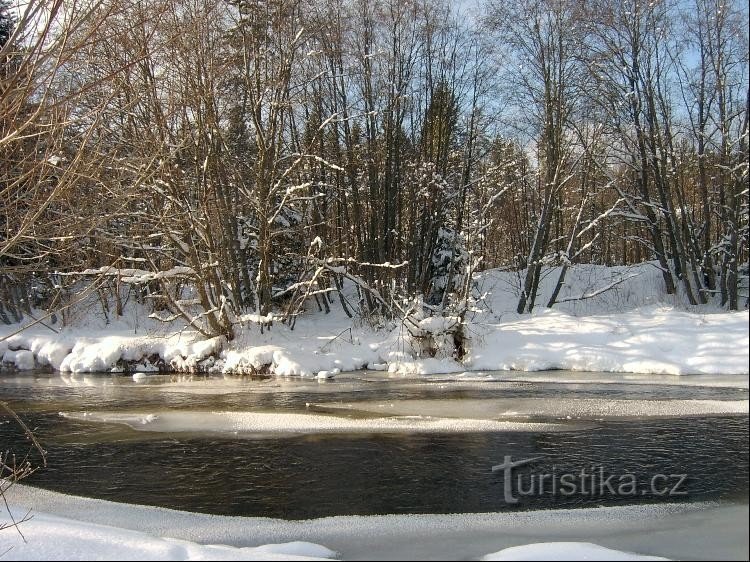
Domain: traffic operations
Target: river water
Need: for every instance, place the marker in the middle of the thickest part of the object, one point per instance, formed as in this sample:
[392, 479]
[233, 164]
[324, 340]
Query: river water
[586, 425]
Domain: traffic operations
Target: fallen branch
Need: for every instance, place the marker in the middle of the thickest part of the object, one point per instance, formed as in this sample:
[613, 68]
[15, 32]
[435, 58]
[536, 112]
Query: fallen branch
[599, 291]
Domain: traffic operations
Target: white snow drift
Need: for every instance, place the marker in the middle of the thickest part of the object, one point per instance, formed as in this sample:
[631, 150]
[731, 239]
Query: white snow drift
[676, 531]
[633, 327]
[573, 551]
[47, 537]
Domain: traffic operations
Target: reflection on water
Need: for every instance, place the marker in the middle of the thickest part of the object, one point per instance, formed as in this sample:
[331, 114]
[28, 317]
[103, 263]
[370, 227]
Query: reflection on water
[312, 476]
[103, 391]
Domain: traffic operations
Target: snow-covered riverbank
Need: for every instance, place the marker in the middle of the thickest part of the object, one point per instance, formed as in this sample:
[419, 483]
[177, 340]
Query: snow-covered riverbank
[68, 527]
[655, 340]
[630, 328]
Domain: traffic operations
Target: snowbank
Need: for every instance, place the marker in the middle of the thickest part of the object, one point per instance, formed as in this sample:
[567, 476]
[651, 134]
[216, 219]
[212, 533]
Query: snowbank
[84, 351]
[653, 340]
[57, 538]
[676, 531]
[564, 551]
[647, 340]
[46, 537]
[632, 328]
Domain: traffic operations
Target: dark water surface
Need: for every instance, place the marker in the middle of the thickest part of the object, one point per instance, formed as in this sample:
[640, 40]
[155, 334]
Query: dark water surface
[323, 475]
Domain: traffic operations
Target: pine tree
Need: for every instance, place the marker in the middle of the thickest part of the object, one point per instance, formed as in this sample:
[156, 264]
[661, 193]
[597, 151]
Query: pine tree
[440, 126]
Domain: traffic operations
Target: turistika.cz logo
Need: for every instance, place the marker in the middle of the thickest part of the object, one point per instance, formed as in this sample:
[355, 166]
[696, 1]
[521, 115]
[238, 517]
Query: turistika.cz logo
[592, 481]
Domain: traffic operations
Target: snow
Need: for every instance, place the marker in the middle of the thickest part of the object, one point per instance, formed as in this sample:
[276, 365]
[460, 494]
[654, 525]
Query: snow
[639, 286]
[288, 358]
[632, 328]
[427, 366]
[22, 359]
[676, 531]
[47, 537]
[564, 551]
[92, 351]
[654, 340]
[261, 424]
[130, 275]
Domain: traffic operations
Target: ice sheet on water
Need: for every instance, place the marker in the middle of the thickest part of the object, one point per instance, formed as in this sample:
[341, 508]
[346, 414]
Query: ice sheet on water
[275, 424]
[515, 407]
[582, 377]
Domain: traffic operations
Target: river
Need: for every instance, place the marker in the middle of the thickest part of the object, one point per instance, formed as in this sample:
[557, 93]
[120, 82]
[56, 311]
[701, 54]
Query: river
[109, 443]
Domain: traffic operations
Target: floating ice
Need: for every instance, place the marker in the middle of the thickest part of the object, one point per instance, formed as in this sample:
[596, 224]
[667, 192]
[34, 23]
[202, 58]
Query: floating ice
[274, 424]
[568, 408]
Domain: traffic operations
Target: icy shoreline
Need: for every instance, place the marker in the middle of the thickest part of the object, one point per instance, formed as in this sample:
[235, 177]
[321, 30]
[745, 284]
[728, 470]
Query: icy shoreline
[678, 531]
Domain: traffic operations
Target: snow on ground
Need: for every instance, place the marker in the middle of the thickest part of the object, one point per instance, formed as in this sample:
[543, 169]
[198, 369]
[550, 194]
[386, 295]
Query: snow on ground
[277, 424]
[47, 537]
[633, 287]
[564, 551]
[570, 408]
[648, 340]
[676, 531]
[633, 328]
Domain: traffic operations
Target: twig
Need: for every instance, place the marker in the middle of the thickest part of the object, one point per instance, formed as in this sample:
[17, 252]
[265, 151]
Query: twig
[351, 338]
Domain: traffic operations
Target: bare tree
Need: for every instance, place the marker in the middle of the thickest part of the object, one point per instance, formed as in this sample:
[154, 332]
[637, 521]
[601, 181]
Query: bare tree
[544, 37]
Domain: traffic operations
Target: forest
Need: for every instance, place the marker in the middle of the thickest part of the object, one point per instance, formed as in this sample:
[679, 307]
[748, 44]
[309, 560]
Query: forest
[233, 161]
